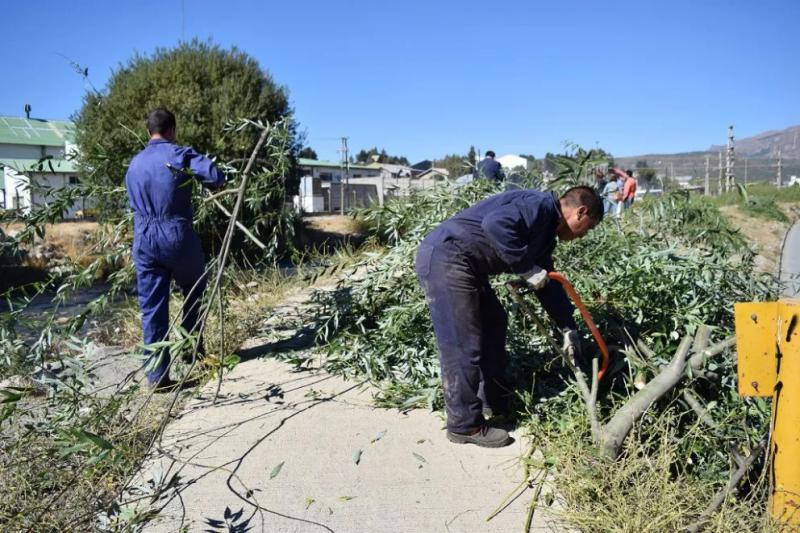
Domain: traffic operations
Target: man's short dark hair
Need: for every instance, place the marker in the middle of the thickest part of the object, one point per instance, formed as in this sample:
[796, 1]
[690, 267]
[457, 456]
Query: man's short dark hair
[585, 196]
[489, 153]
[629, 172]
[160, 121]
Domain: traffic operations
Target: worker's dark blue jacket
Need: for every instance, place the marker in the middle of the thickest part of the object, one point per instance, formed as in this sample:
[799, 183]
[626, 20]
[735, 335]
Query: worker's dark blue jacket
[510, 233]
[490, 169]
[165, 247]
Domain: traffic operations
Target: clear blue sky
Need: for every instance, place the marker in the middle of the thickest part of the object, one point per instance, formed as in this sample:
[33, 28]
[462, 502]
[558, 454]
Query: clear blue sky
[425, 78]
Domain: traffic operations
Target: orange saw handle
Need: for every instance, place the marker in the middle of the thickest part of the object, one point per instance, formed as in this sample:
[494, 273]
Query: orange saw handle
[560, 278]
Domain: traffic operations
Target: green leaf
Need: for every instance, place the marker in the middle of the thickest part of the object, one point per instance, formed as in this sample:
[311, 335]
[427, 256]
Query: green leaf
[276, 470]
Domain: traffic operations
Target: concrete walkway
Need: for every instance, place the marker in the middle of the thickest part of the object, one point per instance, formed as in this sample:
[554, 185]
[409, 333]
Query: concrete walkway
[304, 451]
[790, 262]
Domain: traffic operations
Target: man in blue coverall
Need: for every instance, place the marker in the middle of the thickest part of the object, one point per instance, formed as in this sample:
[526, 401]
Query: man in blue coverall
[512, 232]
[165, 247]
[490, 169]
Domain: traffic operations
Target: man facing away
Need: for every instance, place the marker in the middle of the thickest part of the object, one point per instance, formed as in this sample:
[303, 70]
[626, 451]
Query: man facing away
[165, 246]
[490, 169]
[512, 232]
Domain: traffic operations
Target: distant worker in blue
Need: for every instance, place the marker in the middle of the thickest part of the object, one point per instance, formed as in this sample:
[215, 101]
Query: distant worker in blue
[509, 233]
[165, 246]
[490, 169]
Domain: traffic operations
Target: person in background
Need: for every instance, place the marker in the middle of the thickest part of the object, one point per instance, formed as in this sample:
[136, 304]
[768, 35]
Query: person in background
[600, 182]
[629, 190]
[612, 195]
[490, 169]
[165, 246]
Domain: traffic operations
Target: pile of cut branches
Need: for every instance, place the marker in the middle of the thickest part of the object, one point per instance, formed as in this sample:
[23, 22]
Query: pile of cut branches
[661, 285]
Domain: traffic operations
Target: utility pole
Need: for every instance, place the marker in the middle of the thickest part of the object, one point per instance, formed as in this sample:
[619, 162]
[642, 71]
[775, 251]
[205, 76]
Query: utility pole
[719, 189]
[780, 168]
[729, 162]
[707, 183]
[345, 177]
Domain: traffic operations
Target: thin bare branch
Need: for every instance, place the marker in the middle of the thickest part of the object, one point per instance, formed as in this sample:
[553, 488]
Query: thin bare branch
[241, 226]
[699, 409]
[722, 494]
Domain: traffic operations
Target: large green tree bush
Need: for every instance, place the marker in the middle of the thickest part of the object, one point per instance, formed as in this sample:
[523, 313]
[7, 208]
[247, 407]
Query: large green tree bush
[204, 85]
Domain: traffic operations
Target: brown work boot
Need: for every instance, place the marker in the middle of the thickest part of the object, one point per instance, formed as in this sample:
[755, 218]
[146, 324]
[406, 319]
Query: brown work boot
[485, 436]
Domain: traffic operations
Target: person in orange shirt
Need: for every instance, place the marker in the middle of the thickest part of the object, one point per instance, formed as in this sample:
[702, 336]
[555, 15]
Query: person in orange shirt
[627, 186]
[628, 190]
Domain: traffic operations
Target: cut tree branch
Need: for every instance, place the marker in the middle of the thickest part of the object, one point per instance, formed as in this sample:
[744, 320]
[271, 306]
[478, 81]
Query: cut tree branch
[614, 433]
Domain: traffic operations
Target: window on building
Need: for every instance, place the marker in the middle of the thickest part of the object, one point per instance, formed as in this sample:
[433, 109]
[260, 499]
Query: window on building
[73, 180]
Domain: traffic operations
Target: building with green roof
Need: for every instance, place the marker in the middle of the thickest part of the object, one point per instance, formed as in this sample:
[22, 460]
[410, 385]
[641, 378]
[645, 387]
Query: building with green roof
[36, 159]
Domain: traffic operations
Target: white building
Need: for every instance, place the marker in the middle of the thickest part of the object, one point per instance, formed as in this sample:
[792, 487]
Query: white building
[35, 161]
[327, 184]
[514, 162]
[322, 189]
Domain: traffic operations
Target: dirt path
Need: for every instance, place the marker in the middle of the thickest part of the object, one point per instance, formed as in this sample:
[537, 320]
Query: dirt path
[790, 262]
[765, 235]
[307, 451]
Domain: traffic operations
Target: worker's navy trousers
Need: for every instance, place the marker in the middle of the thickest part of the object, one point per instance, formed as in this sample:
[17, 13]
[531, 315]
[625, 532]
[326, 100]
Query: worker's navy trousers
[470, 325]
[164, 250]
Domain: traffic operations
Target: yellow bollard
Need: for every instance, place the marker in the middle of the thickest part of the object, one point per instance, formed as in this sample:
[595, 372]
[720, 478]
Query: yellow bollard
[768, 347]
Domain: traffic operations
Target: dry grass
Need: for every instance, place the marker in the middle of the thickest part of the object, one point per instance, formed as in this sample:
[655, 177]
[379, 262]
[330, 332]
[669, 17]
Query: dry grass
[344, 225]
[73, 239]
[646, 490]
[248, 298]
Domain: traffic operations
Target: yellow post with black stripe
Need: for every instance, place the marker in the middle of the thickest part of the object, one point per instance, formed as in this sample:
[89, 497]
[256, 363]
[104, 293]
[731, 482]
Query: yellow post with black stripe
[768, 347]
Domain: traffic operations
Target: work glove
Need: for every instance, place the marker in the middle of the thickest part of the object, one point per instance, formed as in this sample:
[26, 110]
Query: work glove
[537, 277]
[572, 343]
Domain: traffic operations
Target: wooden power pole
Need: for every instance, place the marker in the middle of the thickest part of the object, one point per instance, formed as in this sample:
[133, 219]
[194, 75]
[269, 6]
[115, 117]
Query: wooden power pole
[707, 183]
[780, 169]
[719, 188]
[730, 180]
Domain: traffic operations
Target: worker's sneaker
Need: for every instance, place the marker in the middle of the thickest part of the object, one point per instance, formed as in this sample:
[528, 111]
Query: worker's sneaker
[486, 436]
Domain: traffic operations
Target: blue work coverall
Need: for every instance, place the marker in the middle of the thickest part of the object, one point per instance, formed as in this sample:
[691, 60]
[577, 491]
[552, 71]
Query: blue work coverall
[165, 247]
[490, 169]
[510, 232]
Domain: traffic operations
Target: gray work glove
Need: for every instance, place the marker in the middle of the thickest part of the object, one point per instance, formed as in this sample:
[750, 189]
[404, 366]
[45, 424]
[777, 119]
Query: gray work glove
[572, 343]
[537, 277]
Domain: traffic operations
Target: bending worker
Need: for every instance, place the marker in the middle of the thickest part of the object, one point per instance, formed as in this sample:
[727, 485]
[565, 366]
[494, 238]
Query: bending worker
[511, 232]
[165, 247]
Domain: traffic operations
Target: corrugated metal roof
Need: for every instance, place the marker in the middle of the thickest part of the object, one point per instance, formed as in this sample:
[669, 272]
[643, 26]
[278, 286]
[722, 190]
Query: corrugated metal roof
[304, 162]
[33, 165]
[39, 132]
